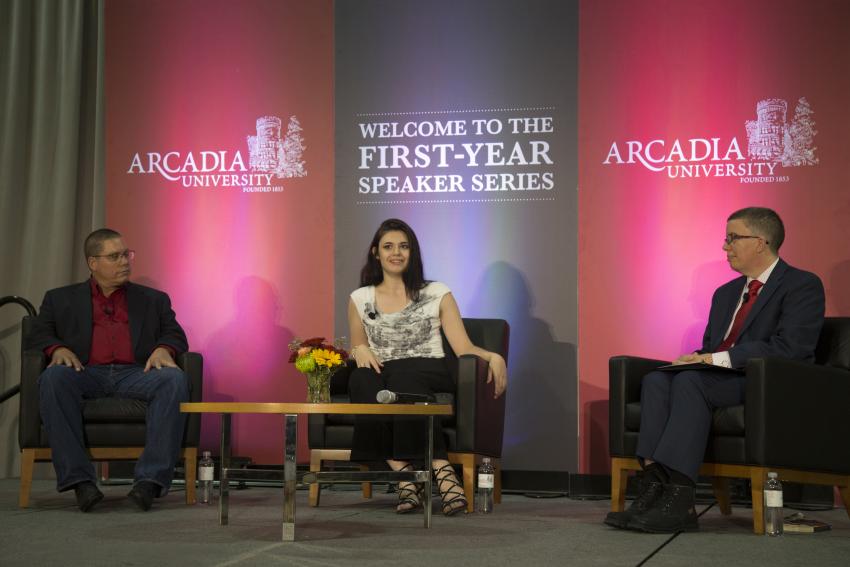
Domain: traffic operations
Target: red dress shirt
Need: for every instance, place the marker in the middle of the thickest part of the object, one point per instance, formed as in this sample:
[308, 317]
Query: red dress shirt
[110, 337]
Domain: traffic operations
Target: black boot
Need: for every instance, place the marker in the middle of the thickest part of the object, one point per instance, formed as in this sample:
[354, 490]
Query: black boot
[88, 495]
[650, 491]
[673, 512]
[143, 493]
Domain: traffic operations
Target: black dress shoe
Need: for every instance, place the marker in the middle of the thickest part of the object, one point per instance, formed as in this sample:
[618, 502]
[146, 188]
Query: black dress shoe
[87, 495]
[650, 491]
[673, 512]
[143, 494]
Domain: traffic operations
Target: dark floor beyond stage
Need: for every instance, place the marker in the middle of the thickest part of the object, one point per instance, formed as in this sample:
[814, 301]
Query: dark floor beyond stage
[347, 530]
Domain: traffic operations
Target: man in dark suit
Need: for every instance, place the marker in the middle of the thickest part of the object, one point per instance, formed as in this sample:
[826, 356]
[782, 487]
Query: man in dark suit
[109, 337]
[773, 309]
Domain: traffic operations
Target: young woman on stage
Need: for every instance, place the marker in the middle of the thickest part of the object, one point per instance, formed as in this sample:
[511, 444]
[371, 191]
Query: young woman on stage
[395, 320]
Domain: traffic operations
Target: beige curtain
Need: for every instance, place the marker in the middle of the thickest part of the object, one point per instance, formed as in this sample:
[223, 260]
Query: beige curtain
[51, 165]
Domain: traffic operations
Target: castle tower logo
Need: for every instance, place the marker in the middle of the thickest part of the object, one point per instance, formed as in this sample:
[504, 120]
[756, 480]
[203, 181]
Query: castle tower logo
[269, 154]
[770, 137]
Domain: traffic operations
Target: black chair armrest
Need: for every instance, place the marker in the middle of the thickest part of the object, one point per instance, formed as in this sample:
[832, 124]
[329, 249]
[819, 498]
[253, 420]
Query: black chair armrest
[625, 374]
[192, 364]
[796, 415]
[33, 363]
[316, 422]
[339, 379]
[480, 418]
[316, 430]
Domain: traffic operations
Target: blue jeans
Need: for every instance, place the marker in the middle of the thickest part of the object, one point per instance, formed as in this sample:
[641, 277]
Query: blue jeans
[61, 394]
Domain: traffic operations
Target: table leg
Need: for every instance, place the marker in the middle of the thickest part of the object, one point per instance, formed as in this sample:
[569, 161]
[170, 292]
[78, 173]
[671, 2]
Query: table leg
[223, 488]
[290, 436]
[428, 463]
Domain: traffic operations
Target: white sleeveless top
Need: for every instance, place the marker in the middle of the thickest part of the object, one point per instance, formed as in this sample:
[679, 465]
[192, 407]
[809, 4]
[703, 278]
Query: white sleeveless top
[412, 332]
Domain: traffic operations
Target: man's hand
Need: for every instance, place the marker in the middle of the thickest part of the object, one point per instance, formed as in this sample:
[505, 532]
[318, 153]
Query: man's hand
[160, 357]
[65, 357]
[694, 357]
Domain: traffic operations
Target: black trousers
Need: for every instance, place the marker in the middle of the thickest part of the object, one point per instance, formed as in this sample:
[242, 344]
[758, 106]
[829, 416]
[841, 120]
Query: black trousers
[403, 438]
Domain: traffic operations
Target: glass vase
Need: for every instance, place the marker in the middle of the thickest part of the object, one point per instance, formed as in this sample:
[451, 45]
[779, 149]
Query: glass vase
[319, 386]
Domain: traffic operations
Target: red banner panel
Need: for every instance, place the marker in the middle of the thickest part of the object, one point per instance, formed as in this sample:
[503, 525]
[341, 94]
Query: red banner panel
[219, 129]
[689, 111]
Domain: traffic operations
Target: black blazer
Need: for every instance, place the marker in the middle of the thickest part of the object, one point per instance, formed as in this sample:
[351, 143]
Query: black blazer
[65, 318]
[785, 320]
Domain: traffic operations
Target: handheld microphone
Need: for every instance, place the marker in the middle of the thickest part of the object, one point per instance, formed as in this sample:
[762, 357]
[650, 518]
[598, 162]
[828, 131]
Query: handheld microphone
[388, 397]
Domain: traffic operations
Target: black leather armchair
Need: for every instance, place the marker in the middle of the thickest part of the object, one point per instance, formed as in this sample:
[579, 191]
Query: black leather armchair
[794, 421]
[474, 431]
[114, 428]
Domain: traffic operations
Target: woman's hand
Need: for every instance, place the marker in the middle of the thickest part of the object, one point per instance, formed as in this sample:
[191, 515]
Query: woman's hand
[365, 358]
[360, 351]
[498, 373]
[460, 343]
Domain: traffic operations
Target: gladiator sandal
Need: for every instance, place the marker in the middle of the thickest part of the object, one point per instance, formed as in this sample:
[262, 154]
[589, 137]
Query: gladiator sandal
[409, 494]
[451, 491]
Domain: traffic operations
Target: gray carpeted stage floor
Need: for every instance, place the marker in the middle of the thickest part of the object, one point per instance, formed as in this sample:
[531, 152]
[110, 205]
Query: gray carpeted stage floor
[347, 530]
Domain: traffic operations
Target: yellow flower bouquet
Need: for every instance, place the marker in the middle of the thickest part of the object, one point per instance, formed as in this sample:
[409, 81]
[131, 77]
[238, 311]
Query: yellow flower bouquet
[318, 361]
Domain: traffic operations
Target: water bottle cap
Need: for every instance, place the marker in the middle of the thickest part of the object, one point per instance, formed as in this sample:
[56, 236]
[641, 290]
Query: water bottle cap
[772, 475]
[206, 454]
[485, 460]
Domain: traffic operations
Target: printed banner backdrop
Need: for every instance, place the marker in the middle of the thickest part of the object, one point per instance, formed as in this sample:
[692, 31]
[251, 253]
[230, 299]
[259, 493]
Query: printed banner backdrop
[460, 118]
[689, 111]
[219, 174]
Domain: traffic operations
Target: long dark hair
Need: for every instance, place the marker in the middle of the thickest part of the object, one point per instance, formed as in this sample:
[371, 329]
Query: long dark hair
[413, 276]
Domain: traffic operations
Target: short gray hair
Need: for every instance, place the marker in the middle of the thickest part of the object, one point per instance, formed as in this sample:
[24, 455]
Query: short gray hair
[765, 222]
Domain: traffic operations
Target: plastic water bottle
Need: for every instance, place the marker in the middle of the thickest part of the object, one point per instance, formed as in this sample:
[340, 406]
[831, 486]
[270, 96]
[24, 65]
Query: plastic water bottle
[206, 473]
[486, 476]
[773, 505]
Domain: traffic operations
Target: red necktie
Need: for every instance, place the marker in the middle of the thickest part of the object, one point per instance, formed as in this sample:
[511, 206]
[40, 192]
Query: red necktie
[741, 316]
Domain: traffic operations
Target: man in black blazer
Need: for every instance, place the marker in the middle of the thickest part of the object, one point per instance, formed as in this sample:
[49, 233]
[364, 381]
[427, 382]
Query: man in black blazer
[109, 337]
[773, 309]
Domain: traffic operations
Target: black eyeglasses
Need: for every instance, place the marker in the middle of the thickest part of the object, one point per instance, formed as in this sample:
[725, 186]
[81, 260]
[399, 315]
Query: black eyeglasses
[114, 257]
[732, 237]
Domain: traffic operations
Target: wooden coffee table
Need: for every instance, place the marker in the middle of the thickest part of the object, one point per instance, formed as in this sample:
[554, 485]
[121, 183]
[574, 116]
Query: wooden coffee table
[290, 412]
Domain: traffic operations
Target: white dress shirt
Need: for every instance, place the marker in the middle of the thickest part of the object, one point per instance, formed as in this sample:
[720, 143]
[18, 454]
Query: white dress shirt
[723, 358]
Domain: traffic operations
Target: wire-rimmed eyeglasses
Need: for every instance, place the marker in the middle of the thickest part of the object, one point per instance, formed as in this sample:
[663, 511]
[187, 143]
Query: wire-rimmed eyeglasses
[128, 255]
[732, 237]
